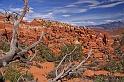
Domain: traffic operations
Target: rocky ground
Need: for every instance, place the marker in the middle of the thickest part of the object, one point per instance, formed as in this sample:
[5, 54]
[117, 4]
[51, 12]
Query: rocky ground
[59, 34]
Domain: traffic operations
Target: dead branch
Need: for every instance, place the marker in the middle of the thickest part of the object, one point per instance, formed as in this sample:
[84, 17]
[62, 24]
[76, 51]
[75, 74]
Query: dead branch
[70, 68]
[89, 54]
[64, 59]
[34, 55]
[13, 52]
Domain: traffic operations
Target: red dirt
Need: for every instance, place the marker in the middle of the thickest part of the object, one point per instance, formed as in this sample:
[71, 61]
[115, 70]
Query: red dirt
[41, 73]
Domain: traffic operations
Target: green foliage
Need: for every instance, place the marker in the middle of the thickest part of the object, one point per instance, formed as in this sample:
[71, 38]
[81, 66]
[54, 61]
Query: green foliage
[44, 54]
[118, 52]
[12, 74]
[28, 76]
[51, 74]
[75, 56]
[99, 79]
[108, 79]
[114, 66]
[4, 46]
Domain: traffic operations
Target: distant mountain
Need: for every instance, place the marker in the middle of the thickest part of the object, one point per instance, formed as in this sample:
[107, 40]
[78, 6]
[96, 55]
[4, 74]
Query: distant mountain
[110, 25]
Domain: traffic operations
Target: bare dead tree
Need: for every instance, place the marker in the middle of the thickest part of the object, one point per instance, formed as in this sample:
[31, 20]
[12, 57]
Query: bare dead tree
[63, 60]
[69, 69]
[8, 16]
[13, 53]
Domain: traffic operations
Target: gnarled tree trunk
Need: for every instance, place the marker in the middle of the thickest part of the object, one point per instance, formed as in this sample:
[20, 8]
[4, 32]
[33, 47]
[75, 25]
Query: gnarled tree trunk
[13, 52]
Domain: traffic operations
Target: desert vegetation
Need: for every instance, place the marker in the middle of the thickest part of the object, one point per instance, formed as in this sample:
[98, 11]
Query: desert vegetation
[57, 52]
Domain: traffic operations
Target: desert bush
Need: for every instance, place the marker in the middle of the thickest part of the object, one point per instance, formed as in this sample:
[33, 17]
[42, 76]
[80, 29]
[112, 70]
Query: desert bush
[102, 78]
[12, 74]
[4, 45]
[51, 74]
[44, 54]
[77, 55]
[28, 76]
[118, 51]
[99, 79]
[114, 66]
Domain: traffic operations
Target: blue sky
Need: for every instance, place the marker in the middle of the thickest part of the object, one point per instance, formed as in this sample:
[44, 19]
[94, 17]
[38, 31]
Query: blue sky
[77, 12]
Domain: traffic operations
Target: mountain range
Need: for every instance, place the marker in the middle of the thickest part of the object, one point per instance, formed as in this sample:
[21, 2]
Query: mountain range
[110, 25]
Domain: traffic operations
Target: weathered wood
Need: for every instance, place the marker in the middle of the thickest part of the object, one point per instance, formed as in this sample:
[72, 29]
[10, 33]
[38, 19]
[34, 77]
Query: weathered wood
[70, 68]
[13, 52]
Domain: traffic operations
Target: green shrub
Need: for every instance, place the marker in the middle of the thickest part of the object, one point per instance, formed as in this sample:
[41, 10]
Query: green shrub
[12, 74]
[108, 79]
[99, 79]
[28, 76]
[75, 56]
[118, 52]
[4, 46]
[114, 66]
[44, 54]
[51, 74]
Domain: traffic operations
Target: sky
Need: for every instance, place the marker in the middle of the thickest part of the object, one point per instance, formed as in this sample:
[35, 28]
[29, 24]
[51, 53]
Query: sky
[76, 12]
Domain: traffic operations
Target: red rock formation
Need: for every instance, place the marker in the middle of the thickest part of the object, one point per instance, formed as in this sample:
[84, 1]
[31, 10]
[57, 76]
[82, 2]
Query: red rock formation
[61, 33]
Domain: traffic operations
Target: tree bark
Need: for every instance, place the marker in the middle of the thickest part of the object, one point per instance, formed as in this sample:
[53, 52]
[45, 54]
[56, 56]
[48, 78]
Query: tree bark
[13, 52]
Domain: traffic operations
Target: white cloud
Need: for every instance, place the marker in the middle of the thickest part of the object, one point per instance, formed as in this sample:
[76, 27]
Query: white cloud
[66, 15]
[31, 10]
[93, 2]
[20, 9]
[109, 20]
[71, 5]
[85, 22]
[92, 19]
[82, 10]
[69, 10]
[15, 9]
[80, 23]
[107, 5]
[33, 15]
[96, 4]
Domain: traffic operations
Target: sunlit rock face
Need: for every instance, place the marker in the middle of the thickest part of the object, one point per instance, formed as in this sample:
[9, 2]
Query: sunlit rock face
[58, 34]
